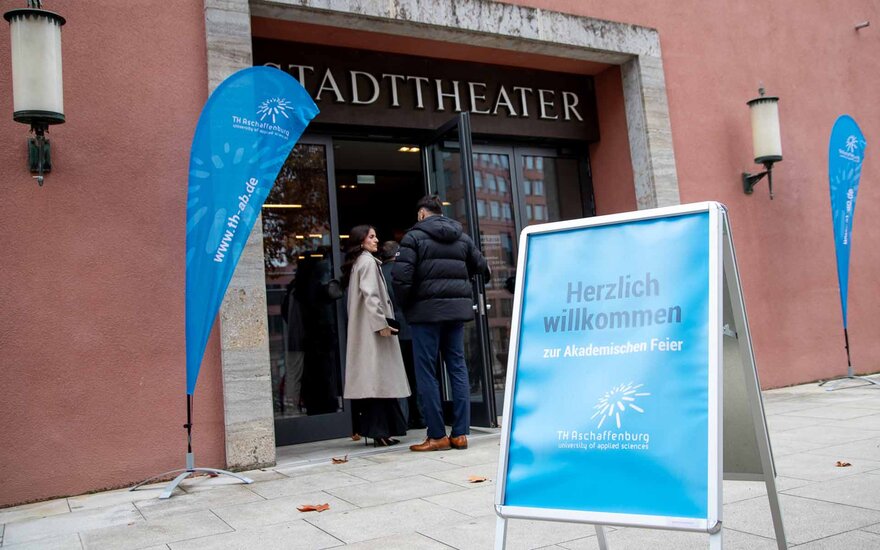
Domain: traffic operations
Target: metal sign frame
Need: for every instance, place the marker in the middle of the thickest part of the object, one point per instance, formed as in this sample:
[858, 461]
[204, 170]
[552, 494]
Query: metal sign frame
[722, 264]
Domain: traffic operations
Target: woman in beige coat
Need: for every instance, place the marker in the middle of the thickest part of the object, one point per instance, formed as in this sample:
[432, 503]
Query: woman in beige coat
[375, 377]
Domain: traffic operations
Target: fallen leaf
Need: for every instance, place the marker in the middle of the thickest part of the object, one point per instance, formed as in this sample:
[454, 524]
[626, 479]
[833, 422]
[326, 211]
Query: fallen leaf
[313, 507]
[476, 479]
[337, 460]
[356, 437]
[842, 464]
[211, 474]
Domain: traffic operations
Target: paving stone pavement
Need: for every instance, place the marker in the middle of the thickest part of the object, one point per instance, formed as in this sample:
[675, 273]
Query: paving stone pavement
[392, 498]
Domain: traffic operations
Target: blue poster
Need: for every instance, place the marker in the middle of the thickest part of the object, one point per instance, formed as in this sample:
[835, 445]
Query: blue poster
[846, 152]
[245, 133]
[610, 409]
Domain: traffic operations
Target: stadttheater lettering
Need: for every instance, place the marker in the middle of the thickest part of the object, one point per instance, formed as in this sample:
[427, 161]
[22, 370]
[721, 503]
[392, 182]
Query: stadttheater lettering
[440, 95]
[356, 87]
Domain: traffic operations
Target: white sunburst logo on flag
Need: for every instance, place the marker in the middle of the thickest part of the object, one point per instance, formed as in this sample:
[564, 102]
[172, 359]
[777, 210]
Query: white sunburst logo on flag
[617, 401]
[273, 107]
[852, 143]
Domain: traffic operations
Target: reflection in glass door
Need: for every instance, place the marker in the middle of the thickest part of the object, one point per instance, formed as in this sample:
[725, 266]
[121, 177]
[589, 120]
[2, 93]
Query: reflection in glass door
[304, 328]
[494, 191]
[551, 189]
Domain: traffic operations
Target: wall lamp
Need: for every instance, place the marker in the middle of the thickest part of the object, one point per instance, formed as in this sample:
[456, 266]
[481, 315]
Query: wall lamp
[36, 78]
[766, 141]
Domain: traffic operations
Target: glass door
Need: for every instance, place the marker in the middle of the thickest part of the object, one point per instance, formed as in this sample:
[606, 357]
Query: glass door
[449, 166]
[495, 191]
[515, 187]
[305, 331]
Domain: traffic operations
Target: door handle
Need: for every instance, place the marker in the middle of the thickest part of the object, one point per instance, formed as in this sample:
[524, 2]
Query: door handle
[480, 306]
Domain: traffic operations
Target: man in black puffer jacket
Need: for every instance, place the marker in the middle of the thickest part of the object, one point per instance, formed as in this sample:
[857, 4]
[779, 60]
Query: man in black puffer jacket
[432, 281]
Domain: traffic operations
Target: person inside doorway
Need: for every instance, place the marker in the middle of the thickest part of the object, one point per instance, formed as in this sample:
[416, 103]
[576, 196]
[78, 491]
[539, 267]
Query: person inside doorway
[375, 378]
[432, 280]
[320, 377]
[388, 254]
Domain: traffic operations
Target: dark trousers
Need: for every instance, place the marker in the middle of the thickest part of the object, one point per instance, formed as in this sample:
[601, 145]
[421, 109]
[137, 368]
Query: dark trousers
[448, 339]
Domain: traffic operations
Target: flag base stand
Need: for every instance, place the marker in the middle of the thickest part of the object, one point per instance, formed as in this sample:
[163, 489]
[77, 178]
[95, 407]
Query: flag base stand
[836, 383]
[186, 472]
[850, 374]
[190, 462]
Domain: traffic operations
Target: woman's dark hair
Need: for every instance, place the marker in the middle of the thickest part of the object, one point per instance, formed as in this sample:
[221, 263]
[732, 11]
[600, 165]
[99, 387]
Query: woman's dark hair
[353, 249]
[431, 203]
[388, 250]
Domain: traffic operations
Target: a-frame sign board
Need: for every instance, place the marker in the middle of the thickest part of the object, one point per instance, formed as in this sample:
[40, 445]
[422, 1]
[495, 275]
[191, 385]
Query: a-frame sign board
[631, 383]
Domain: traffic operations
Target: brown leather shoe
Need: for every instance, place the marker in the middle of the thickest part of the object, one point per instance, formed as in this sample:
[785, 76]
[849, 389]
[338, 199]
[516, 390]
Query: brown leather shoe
[441, 444]
[459, 442]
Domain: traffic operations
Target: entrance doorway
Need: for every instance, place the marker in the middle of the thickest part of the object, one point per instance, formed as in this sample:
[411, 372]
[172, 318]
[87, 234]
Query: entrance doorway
[329, 185]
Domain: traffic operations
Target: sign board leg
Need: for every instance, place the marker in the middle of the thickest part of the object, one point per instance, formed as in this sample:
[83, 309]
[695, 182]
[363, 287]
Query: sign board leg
[600, 535]
[500, 533]
[775, 511]
[716, 540]
[752, 386]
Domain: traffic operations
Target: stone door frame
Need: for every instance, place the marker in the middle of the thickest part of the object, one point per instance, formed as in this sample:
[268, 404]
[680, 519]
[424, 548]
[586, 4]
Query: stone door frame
[247, 393]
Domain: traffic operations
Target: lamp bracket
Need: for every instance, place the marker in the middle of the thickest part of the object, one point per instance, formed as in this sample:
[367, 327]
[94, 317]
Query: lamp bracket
[750, 180]
[39, 158]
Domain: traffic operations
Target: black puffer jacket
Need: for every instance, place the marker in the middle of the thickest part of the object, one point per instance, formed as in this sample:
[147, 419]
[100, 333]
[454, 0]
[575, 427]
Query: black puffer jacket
[432, 274]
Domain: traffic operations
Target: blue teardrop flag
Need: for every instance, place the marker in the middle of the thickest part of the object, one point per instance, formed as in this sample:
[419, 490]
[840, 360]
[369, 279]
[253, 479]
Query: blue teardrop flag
[245, 133]
[846, 153]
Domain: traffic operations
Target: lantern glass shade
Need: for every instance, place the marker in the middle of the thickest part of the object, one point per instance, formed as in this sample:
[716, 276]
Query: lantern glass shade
[766, 141]
[37, 90]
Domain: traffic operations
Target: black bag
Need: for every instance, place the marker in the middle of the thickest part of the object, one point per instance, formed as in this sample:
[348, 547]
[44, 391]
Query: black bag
[393, 323]
[334, 290]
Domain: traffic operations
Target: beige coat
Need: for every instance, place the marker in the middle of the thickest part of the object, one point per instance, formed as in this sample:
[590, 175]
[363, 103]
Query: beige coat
[373, 364]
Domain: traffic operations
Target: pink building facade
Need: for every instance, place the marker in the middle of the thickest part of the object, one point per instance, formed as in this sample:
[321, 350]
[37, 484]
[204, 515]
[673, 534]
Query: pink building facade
[92, 347]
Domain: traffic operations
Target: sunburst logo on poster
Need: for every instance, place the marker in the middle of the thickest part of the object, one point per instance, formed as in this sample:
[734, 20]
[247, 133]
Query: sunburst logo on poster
[618, 401]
